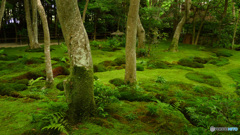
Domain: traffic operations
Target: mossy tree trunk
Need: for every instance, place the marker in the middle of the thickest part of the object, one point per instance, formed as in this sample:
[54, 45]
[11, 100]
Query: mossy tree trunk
[3, 3]
[174, 45]
[35, 23]
[130, 70]
[235, 29]
[194, 25]
[49, 73]
[79, 85]
[141, 34]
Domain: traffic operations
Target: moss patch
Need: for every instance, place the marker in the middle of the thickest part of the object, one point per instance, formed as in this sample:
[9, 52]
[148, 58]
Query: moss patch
[221, 61]
[190, 62]
[117, 81]
[235, 74]
[210, 79]
[224, 53]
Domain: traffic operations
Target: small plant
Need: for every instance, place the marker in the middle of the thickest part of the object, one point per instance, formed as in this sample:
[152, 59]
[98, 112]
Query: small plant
[131, 116]
[160, 79]
[64, 47]
[32, 81]
[1, 52]
[152, 109]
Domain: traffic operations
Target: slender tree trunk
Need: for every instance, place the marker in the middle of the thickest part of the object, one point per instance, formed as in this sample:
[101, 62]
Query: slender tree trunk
[130, 70]
[233, 10]
[223, 16]
[235, 29]
[85, 10]
[194, 25]
[49, 73]
[29, 24]
[56, 26]
[95, 27]
[3, 3]
[174, 45]
[79, 85]
[201, 25]
[141, 34]
[35, 23]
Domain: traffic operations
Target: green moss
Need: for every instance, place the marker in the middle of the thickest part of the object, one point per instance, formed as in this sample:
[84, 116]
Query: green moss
[60, 86]
[99, 68]
[23, 81]
[224, 53]
[200, 60]
[38, 50]
[157, 64]
[8, 58]
[117, 81]
[120, 60]
[210, 79]
[219, 61]
[189, 62]
[108, 63]
[140, 67]
[235, 74]
[80, 94]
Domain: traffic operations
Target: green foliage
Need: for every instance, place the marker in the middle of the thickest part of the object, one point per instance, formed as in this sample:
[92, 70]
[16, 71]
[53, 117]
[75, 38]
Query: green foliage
[208, 78]
[64, 47]
[23, 81]
[99, 68]
[8, 88]
[152, 109]
[203, 90]
[140, 67]
[189, 62]
[235, 74]
[142, 52]
[224, 53]
[111, 44]
[28, 61]
[9, 58]
[131, 116]
[117, 81]
[220, 61]
[37, 50]
[1, 52]
[157, 64]
[104, 95]
[32, 81]
[60, 86]
[120, 60]
[160, 79]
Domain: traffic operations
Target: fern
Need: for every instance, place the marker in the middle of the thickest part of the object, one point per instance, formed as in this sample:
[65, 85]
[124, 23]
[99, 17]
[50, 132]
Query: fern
[57, 122]
[32, 81]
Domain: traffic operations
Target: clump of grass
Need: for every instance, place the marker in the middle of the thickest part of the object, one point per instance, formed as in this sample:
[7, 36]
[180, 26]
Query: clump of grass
[117, 81]
[152, 109]
[207, 78]
[160, 79]
[140, 67]
[120, 60]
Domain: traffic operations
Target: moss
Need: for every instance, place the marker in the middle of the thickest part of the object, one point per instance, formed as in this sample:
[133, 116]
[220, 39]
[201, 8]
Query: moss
[80, 94]
[188, 62]
[60, 86]
[60, 71]
[120, 60]
[38, 50]
[224, 53]
[141, 52]
[210, 79]
[219, 61]
[108, 63]
[203, 90]
[29, 61]
[117, 81]
[200, 60]
[99, 68]
[95, 77]
[8, 58]
[140, 67]
[23, 81]
[235, 74]
[157, 64]
[5, 89]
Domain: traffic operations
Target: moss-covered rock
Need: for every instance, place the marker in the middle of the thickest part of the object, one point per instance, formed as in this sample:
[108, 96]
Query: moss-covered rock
[220, 61]
[117, 81]
[120, 60]
[140, 67]
[60, 86]
[207, 78]
[224, 53]
[188, 62]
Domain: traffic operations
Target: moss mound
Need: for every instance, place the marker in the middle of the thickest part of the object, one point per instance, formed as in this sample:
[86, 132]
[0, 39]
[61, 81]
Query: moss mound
[224, 54]
[29, 61]
[206, 78]
[220, 61]
[140, 67]
[200, 60]
[5, 57]
[120, 60]
[8, 88]
[191, 62]
[37, 50]
[158, 64]
[235, 74]
[99, 68]
[60, 86]
[23, 81]
[117, 81]
[108, 63]
[60, 71]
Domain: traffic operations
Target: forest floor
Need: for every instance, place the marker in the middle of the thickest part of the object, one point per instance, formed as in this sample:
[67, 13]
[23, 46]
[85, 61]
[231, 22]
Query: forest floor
[177, 93]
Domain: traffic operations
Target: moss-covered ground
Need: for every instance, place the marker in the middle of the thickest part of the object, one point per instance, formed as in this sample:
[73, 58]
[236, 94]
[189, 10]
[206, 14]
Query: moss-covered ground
[169, 99]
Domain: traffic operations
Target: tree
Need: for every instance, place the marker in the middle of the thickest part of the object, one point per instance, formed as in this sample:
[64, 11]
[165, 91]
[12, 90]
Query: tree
[79, 85]
[35, 22]
[235, 29]
[141, 34]
[174, 45]
[85, 10]
[49, 73]
[3, 3]
[130, 71]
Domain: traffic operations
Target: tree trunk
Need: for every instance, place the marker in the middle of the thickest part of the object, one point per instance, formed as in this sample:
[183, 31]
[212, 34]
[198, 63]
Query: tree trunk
[194, 25]
[85, 10]
[79, 85]
[3, 3]
[95, 27]
[235, 29]
[130, 71]
[233, 10]
[49, 73]
[141, 34]
[174, 45]
[201, 25]
[223, 16]
[35, 23]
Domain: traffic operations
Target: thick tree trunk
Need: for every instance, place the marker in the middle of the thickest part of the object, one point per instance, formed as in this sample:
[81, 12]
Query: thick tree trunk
[85, 10]
[35, 23]
[141, 34]
[49, 73]
[3, 3]
[235, 30]
[174, 45]
[130, 70]
[79, 85]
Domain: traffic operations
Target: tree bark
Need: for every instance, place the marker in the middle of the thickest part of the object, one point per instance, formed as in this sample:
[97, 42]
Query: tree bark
[35, 23]
[233, 10]
[141, 34]
[3, 3]
[79, 85]
[235, 29]
[29, 24]
[130, 70]
[194, 25]
[174, 45]
[85, 10]
[223, 16]
[49, 73]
